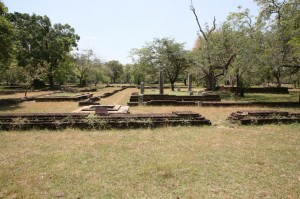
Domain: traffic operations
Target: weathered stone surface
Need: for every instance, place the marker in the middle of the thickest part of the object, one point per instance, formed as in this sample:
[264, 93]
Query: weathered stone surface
[101, 110]
[142, 88]
[270, 90]
[189, 83]
[263, 117]
[105, 121]
[172, 99]
[161, 82]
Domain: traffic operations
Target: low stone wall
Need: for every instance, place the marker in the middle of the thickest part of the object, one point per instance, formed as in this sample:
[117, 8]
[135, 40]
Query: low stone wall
[172, 99]
[267, 90]
[113, 92]
[88, 121]
[260, 117]
[61, 98]
[262, 104]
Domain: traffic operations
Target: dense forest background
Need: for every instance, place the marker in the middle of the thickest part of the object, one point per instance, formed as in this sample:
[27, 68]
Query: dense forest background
[242, 51]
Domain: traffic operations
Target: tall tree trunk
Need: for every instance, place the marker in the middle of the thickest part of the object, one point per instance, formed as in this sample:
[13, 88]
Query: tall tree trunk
[239, 86]
[211, 81]
[27, 89]
[277, 75]
[184, 81]
[51, 80]
[172, 85]
[278, 82]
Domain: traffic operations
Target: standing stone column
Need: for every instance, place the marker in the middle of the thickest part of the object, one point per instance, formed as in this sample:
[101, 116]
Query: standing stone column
[161, 82]
[142, 88]
[189, 83]
[141, 100]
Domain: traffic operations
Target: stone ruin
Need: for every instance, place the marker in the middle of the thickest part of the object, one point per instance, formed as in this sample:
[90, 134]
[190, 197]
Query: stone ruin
[110, 109]
[95, 121]
[176, 100]
[165, 99]
[263, 117]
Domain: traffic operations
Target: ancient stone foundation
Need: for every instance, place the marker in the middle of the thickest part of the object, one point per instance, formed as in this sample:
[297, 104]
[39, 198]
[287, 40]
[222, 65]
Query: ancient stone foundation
[264, 117]
[94, 121]
[175, 100]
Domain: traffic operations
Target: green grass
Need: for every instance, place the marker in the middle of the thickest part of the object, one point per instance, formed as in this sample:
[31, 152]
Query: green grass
[193, 162]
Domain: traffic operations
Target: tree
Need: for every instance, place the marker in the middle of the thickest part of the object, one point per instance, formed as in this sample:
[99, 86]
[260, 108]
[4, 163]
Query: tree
[65, 71]
[114, 70]
[97, 74]
[41, 44]
[144, 68]
[84, 64]
[127, 74]
[164, 54]
[138, 74]
[6, 38]
[12, 75]
[242, 38]
[211, 66]
[61, 41]
[280, 20]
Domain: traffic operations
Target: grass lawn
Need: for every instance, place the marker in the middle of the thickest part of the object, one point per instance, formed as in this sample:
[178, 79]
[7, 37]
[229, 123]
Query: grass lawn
[184, 162]
[220, 161]
[225, 96]
[103, 90]
[63, 94]
[260, 97]
[183, 91]
[29, 94]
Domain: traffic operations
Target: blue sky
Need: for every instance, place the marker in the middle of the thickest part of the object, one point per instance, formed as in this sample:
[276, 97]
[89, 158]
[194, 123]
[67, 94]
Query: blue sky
[113, 28]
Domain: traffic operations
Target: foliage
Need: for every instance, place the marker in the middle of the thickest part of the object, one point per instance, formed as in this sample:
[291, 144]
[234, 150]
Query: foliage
[212, 57]
[88, 68]
[12, 75]
[280, 22]
[243, 39]
[127, 74]
[163, 54]
[40, 44]
[114, 70]
[6, 38]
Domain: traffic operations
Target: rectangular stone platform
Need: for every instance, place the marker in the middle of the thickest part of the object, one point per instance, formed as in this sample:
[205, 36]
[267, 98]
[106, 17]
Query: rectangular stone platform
[263, 117]
[53, 98]
[172, 99]
[90, 121]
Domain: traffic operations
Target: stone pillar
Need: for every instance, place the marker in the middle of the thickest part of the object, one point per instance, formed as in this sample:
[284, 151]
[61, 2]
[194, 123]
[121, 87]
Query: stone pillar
[141, 100]
[161, 82]
[142, 88]
[189, 83]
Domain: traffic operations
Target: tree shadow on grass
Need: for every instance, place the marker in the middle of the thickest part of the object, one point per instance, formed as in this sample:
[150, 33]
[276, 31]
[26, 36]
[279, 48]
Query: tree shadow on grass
[260, 97]
[5, 108]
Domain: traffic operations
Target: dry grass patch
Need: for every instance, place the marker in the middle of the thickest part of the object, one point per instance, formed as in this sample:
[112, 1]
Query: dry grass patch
[101, 91]
[185, 162]
[40, 107]
[120, 98]
[29, 94]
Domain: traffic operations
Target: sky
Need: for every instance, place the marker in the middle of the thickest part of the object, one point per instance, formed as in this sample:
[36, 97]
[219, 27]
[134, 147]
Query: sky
[113, 28]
